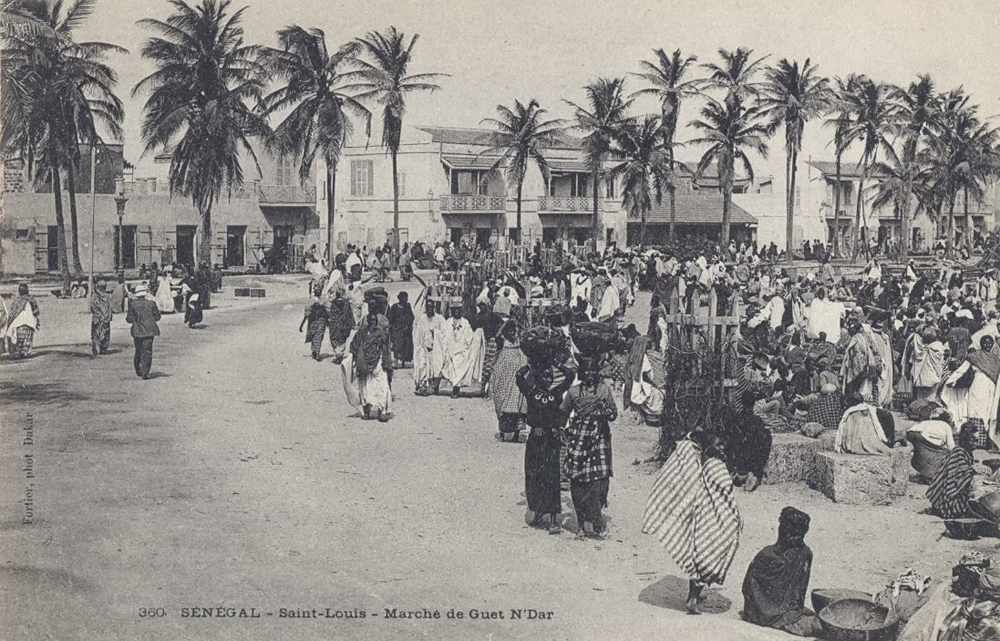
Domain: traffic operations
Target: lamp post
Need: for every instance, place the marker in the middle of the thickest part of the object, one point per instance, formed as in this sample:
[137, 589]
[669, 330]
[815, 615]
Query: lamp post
[120, 201]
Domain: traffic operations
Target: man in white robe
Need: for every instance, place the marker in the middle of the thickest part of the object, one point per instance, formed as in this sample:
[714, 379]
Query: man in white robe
[971, 392]
[609, 304]
[465, 350]
[824, 317]
[922, 365]
[429, 336]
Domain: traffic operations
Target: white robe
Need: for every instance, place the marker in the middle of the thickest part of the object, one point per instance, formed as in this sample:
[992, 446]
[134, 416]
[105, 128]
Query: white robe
[979, 400]
[824, 316]
[609, 304]
[428, 347]
[164, 297]
[465, 351]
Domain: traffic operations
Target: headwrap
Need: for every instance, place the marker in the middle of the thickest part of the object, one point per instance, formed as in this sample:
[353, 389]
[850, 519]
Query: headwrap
[793, 524]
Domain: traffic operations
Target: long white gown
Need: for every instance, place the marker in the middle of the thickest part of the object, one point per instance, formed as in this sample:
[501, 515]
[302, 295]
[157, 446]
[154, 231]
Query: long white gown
[164, 297]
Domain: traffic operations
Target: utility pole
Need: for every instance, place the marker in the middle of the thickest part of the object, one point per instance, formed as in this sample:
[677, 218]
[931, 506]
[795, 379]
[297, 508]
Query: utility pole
[93, 211]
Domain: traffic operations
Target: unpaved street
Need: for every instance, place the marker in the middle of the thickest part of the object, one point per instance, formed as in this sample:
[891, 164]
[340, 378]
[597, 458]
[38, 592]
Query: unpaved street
[238, 477]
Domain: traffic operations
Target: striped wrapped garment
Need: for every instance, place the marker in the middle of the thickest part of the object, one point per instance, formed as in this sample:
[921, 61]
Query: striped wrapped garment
[951, 488]
[692, 512]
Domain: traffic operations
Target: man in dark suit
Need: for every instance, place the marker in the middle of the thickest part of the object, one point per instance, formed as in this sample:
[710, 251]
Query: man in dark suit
[142, 315]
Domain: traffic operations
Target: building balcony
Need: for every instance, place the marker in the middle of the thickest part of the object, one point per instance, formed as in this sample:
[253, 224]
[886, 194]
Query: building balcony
[565, 204]
[473, 204]
[283, 195]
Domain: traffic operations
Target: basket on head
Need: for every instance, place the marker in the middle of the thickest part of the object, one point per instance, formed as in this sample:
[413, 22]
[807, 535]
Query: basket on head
[542, 344]
[594, 339]
[377, 299]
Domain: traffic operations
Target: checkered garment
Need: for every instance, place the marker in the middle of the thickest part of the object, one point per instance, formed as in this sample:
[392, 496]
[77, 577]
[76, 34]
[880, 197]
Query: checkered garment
[826, 410]
[982, 434]
[588, 457]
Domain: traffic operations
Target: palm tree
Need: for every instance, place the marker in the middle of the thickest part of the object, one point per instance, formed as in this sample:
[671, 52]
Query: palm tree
[667, 77]
[606, 111]
[899, 179]
[644, 170]
[384, 79]
[792, 97]
[519, 137]
[200, 99]
[55, 94]
[875, 117]
[735, 75]
[313, 91]
[730, 130]
[841, 122]
[917, 111]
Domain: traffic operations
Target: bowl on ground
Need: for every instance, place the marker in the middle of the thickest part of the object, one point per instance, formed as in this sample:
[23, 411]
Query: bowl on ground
[822, 597]
[857, 620]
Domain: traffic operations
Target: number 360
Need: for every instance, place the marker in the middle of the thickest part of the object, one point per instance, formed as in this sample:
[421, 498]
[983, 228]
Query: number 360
[152, 612]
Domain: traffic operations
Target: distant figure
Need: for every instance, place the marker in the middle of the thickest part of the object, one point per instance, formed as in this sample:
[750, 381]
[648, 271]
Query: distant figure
[142, 315]
[119, 295]
[401, 330]
[100, 319]
[316, 319]
[22, 323]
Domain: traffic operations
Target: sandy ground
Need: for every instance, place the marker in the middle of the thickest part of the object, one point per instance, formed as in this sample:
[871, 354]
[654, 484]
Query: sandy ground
[238, 477]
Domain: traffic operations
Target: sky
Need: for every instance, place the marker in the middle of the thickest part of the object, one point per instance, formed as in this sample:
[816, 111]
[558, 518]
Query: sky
[500, 50]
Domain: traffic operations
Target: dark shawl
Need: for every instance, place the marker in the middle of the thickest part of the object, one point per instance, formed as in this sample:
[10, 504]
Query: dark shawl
[401, 329]
[341, 320]
[775, 586]
[987, 362]
[370, 344]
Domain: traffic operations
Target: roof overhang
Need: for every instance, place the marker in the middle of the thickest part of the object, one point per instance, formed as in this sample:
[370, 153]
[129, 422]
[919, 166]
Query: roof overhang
[469, 162]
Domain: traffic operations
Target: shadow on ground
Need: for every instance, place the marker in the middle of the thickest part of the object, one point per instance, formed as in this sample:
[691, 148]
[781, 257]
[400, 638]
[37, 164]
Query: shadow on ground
[671, 591]
[44, 393]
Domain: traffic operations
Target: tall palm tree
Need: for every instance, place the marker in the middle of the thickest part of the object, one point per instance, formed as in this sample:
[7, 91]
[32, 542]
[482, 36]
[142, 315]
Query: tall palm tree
[519, 138]
[730, 130]
[841, 106]
[900, 178]
[792, 97]
[201, 100]
[384, 78]
[736, 75]
[313, 90]
[606, 111]
[56, 94]
[875, 117]
[917, 112]
[669, 82]
[644, 170]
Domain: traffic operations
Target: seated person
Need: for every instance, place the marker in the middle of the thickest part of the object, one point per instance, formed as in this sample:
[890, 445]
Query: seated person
[864, 429]
[935, 432]
[80, 289]
[826, 408]
[961, 480]
[774, 590]
[966, 608]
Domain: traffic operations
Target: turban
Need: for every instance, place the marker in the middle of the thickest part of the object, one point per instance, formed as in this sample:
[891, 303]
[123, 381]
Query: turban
[792, 527]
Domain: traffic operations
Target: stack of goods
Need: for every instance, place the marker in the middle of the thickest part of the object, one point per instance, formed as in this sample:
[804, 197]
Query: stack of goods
[543, 345]
[594, 340]
[377, 299]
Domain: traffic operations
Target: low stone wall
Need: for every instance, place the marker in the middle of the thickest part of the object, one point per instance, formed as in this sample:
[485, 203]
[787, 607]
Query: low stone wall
[792, 459]
[863, 480]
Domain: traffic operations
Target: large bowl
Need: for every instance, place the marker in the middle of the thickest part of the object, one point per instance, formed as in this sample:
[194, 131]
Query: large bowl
[857, 620]
[822, 597]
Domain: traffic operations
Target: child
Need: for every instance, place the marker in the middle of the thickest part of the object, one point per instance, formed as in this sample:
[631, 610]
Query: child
[317, 314]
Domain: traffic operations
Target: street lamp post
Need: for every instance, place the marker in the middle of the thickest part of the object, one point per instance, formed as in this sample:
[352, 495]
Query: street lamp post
[120, 201]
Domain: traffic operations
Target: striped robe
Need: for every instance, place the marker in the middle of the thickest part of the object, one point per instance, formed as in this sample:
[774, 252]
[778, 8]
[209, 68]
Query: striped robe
[951, 488]
[692, 512]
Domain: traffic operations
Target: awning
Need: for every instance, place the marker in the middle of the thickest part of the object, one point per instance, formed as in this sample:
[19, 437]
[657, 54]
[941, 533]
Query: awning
[567, 166]
[469, 162]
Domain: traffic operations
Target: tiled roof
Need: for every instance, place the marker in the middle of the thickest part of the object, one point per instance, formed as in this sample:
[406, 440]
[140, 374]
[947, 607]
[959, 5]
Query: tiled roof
[703, 207]
[468, 161]
[469, 136]
[848, 168]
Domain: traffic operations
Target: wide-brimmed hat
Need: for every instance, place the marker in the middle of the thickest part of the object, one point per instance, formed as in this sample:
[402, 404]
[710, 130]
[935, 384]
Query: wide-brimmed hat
[141, 289]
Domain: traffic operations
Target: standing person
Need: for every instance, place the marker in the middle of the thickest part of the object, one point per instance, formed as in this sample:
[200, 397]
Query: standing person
[100, 319]
[508, 401]
[401, 329]
[463, 365]
[366, 371]
[591, 409]
[971, 391]
[692, 512]
[192, 311]
[119, 295]
[316, 319]
[142, 315]
[22, 322]
[341, 324]
[429, 340]
[774, 590]
[541, 455]
[164, 297]
[862, 365]
[203, 285]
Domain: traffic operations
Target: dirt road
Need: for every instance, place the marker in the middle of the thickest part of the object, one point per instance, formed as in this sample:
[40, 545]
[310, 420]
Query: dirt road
[239, 478]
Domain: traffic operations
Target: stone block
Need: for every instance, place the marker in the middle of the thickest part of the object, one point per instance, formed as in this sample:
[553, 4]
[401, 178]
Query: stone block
[827, 440]
[792, 458]
[856, 479]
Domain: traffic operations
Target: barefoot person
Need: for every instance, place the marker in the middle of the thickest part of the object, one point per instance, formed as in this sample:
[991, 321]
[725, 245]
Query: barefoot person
[100, 319]
[22, 323]
[591, 409]
[142, 315]
[366, 371]
[401, 330]
[508, 401]
[692, 512]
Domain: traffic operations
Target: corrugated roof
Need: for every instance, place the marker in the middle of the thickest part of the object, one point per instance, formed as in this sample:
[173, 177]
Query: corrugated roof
[567, 165]
[848, 168]
[483, 137]
[468, 161]
[697, 208]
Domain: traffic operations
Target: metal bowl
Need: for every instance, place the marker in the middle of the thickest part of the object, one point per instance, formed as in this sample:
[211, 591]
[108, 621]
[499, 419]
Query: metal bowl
[822, 597]
[857, 620]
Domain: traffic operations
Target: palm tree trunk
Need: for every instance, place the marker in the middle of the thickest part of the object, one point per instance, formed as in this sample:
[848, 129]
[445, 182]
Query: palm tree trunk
[857, 220]
[205, 250]
[789, 203]
[73, 220]
[519, 186]
[61, 224]
[951, 225]
[642, 228]
[969, 232]
[727, 206]
[836, 211]
[395, 204]
[904, 225]
[331, 192]
[597, 221]
[672, 188]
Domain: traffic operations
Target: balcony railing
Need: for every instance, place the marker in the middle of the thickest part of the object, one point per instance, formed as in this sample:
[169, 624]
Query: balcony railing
[568, 204]
[461, 203]
[286, 195]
